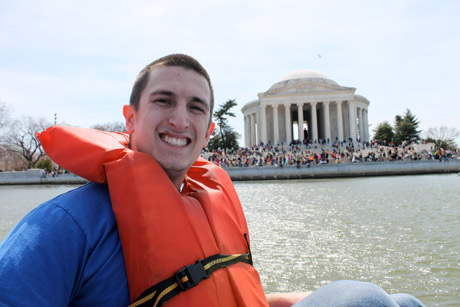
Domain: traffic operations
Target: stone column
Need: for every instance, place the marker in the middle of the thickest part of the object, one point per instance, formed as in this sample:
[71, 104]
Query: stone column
[259, 128]
[314, 123]
[264, 125]
[361, 126]
[366, 126]
[253, 129]
[352, 120]
[339, 121]
[248, 131]
[300, 121]
[327, 121]
[287, 108]
[246, 128]
[276, 140]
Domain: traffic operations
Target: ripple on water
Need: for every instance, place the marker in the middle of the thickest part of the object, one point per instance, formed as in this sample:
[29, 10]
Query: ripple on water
[401, 233]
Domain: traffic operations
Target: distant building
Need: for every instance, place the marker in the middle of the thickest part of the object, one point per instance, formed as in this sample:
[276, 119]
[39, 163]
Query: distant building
[328, 112]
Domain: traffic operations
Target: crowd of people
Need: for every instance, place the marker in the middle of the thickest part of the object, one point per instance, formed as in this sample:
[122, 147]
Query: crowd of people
[54, 173]
[307, 154]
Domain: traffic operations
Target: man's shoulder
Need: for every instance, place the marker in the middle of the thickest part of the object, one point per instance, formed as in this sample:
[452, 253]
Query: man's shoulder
[89, 206]
[64, 250]
[93, 192]
[85, 201]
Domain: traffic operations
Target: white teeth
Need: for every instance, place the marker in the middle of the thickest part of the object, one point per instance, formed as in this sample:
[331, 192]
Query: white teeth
[174, 142]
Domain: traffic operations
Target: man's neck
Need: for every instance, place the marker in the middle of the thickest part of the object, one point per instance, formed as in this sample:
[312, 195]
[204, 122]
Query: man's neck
[178, 181]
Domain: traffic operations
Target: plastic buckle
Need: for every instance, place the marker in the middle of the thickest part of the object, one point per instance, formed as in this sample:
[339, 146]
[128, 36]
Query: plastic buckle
[195, 273]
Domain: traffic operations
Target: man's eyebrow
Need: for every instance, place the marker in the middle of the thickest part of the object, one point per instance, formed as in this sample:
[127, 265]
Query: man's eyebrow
[161, 92]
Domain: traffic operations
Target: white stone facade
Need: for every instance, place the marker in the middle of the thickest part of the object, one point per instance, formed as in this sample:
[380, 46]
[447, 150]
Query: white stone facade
[328, 112]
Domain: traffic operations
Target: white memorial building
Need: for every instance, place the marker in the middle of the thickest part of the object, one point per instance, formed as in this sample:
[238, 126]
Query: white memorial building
[328, 112]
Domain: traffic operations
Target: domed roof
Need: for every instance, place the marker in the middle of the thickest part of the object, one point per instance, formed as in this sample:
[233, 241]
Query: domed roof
[304, 74]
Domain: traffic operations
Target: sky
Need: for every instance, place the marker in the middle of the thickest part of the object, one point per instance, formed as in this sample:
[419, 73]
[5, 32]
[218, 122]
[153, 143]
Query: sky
[79, 59]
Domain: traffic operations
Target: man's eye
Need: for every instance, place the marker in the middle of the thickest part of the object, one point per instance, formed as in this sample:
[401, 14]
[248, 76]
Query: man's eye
[161, 101]
[197, 109]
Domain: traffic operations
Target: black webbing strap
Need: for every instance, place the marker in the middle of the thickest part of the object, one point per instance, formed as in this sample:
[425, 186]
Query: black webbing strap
[187, 278]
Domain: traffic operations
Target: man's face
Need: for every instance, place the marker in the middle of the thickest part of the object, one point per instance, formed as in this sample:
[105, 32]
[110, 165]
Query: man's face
[171, 123]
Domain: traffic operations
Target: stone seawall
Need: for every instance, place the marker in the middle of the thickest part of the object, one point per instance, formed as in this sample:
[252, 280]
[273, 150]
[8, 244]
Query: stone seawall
[273, 173]
[34, 176]
[344, 170]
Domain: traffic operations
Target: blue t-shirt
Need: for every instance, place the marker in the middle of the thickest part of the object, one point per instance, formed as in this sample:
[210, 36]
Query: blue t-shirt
[66, 252]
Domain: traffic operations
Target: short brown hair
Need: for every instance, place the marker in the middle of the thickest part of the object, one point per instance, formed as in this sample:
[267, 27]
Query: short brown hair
[180, 60]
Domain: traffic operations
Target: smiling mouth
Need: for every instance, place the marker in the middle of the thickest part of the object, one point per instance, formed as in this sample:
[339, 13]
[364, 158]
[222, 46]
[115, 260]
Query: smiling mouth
[177, 142]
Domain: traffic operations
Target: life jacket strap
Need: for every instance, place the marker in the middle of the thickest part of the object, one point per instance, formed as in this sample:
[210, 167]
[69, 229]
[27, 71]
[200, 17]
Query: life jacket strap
[187, 278]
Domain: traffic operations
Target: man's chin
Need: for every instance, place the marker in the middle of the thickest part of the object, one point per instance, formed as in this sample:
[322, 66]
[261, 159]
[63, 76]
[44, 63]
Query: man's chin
[175, 168]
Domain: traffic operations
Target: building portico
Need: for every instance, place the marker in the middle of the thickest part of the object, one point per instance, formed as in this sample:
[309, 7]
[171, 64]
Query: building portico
[306, 105]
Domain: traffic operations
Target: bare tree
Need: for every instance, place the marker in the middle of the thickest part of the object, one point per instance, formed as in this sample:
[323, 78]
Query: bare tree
[111, 127]
[11, 160]
[21, 139]
[4, 114]
[4, 120]
[443, 137]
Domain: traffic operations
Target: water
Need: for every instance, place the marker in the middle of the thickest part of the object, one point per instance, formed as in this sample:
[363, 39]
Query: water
[17, 200]
[401, 233]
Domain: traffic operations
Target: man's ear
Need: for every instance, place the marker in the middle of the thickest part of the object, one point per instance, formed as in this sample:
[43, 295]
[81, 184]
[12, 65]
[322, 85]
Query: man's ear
[129, 114]
[208, 134]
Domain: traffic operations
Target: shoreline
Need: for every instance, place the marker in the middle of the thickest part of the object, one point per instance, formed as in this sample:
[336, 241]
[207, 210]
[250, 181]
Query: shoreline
[34, 176]
[367, 169]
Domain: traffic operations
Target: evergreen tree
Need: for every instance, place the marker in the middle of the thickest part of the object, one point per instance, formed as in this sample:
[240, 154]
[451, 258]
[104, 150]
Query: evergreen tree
[406, 128]
[45, 164]
[384, 133]
[215, 140]
[224, 136]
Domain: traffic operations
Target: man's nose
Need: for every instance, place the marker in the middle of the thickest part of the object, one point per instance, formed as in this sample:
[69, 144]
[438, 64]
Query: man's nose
[179, 118]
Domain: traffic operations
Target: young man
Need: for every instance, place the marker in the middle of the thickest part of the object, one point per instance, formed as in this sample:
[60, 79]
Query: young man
[171, 120]
[180, 222]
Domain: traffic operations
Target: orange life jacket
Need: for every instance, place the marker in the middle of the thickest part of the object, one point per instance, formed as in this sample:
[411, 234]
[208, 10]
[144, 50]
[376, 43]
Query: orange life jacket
[162, 230]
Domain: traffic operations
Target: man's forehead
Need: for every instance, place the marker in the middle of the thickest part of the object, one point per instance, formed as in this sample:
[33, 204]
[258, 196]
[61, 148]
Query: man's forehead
[171, 76]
